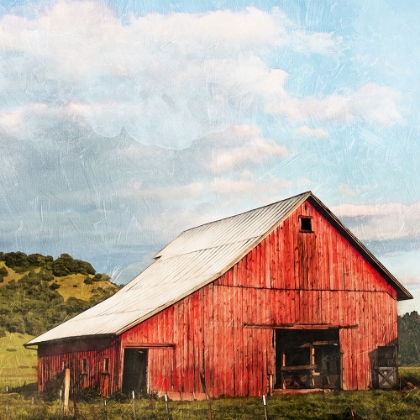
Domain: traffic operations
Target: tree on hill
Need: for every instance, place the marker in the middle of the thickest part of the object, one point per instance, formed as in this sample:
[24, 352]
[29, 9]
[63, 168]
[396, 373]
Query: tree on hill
[3, 273]
[409, 339]
[65, 265]
[17, 260]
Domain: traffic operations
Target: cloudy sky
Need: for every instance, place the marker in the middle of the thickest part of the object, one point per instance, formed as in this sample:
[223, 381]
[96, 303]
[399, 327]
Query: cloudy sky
[124, 122]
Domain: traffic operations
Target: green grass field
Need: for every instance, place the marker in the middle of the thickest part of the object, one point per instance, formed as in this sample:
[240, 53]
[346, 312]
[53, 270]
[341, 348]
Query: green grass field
[374, 405]
[410, 374]
[18, 366]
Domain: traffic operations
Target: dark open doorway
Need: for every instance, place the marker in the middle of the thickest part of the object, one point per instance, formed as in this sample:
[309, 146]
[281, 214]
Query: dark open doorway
[135, 370]
[308, 359]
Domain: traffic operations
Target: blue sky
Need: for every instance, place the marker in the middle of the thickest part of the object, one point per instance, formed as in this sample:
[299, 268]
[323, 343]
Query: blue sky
[123, 123]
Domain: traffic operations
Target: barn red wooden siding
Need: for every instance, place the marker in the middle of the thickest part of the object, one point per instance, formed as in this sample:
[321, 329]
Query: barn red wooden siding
[225, 331]
[93, 364]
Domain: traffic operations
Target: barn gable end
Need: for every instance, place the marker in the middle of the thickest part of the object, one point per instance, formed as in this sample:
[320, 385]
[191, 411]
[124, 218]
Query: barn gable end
[291, 280]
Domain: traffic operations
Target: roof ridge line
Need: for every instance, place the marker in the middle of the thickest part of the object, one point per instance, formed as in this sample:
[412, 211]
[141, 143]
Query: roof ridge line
[307, 193]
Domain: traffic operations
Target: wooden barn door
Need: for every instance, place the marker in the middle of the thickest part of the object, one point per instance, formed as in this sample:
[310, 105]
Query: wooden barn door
[135, 370]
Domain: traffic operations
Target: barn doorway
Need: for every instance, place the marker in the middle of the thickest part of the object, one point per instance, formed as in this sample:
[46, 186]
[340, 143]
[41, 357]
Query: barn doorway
[135, 370]
[308, 359]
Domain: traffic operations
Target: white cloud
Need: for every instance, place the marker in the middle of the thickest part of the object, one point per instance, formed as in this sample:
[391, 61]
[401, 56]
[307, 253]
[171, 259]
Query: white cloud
[319, 42]
[81, 27]
[253, 152]
[168, 79]
[240, 131]
[218, 30]
[304, 182]
[271, 186]
[347, 190]
[379, 210]
[371, 103]
[412, 282]
[29, 120]
[382, 221]
[174, 192]
[317, 133]
[230, 186]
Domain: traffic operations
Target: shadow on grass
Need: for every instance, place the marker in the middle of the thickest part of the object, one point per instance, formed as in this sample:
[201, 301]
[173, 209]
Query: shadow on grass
[26, 390]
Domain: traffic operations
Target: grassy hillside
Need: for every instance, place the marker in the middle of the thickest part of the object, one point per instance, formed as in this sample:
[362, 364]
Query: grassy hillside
[72, 285]
[37, 293]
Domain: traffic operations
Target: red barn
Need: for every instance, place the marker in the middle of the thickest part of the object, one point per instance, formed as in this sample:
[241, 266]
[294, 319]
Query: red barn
[283, 296]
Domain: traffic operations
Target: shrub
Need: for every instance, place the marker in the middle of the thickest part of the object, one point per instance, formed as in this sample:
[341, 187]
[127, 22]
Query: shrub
[75, 306]
[46, 275]
[15, 323]
[66, 264]
[88, 280]
[37, 260]
[17, 260]
[101, 277]
[12, 285]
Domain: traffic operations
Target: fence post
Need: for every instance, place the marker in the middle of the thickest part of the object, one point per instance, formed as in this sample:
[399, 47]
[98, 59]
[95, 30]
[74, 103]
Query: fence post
[66, 392]
[134, 404]
[166, 405]
[60, 398]
[265, 407]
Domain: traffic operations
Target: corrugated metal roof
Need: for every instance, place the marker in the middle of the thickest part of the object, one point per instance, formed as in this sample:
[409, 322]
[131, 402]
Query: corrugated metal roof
[251, 224]
[195, 258]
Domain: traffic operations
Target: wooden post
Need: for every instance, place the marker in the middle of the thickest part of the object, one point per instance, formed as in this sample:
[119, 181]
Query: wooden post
[134, 404]
[66, 391]
[283, 364]
[60, 397]
[312, 371]
[270, 384]
[166, 405]
[265, 407]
